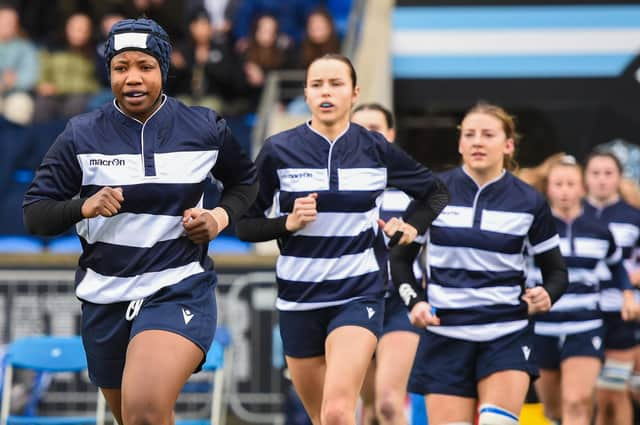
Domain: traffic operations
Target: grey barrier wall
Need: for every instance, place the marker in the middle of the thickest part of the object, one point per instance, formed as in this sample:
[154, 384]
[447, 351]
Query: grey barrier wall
[42, 301]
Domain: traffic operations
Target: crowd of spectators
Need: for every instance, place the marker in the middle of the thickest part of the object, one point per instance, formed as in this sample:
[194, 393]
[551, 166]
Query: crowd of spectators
[52, 65]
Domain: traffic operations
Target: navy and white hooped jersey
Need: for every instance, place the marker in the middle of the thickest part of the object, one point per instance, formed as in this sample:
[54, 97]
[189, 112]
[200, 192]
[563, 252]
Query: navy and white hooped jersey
[161, 166]
[624, 223]
[475, 255]
[336, 258]
[584, 243]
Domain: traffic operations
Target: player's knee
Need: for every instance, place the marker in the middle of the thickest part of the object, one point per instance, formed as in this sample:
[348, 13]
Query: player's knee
[494, 415]
[335, 412]
[389, 407]
[142, 412]
[615, 375]
[576, 405]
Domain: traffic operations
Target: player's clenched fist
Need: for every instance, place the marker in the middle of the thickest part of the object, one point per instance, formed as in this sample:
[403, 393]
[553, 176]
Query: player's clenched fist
[537, 299]
[202, 225]
[305, 211]
[106, 202]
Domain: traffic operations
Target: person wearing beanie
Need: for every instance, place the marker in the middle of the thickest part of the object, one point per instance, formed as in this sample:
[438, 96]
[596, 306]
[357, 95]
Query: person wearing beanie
[130, 176]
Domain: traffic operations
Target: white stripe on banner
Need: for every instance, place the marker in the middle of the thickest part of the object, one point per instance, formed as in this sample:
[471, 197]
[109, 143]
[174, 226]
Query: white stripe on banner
[484, 332]
[590, 248]
[473, 259]
[395, 200]
[362, 179]
[545, 246]
[172, 167]
[315, 270]
[340, 224]
[101, 289]
[444, 297]
[511, 223]
[625, 234]
[455, 216]
[611, 299]
[564, 328]
[515, 42]
[142, 230]
[295, 306]
[572, 302]
[303, 179]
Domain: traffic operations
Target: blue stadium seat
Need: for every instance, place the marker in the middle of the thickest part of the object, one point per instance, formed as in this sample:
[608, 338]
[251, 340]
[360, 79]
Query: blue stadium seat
[229, 245]
[12, 244]
[215, 364]
[65, 245]
[46, 354]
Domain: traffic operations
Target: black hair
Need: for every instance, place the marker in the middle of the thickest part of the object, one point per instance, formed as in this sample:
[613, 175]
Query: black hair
[373, 106]
[340, 58]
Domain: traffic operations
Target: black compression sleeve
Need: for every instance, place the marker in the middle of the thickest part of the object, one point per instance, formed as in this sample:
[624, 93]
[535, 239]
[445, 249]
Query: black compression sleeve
[261, 229]
[237, 199]
[555, 278]
[49, 217]
[402, 258]
[421, 213]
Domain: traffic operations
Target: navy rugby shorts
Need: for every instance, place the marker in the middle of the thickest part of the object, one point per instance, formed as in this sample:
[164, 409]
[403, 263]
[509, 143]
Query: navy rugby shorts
[451, 366]
[187, 308]
[304, 332]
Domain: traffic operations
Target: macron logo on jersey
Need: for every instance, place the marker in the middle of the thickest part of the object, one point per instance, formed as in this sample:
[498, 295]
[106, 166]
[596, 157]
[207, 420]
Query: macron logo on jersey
[116, 162]
[187, 316]
[370, 312]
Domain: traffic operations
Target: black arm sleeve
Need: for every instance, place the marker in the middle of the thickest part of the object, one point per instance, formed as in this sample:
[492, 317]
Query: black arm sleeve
[402, 258]
[261, 229]
[235, 171]
[421, 212]
[48, 217]
[237, 199]
[555, 278]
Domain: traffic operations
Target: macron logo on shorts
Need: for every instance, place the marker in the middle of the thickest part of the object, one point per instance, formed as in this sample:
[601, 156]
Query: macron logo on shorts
[597, 342]
[526, 351]
[187, 316]
[370, 312]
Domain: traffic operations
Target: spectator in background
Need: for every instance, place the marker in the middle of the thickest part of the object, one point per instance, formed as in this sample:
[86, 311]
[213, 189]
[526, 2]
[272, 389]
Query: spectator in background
[221, 12]
[68, 77]
[205, 67]
[39, 18]
[320, 38]
[290, 14]
[168, 13]
[18, 69]
[264, 54]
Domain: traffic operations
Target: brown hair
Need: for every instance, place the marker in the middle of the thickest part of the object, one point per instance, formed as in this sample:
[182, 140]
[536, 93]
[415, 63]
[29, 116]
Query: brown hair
[508, 125]
[311, 50]
[266, 57]
[340, 58]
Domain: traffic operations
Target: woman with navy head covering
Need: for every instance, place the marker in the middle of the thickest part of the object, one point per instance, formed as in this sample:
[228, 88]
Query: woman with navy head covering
[130, 176]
